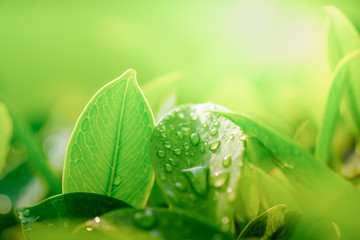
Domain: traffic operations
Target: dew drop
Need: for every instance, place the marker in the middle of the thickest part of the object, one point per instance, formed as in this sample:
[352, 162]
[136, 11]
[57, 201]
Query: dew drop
[180, 135]
[162, 133]
[145, 219]
[89, 229]
[181, 115]
[194, 116]
[192, 154]
[161, 154]
[214, 146]
[167, 145]
[97, 219]
[168, 168]
[186, 146]
[27, 213]
[177, 152]
[204, 125]
[162, 176]
[195, 139]
[216, 123]
[198, 179]
[220, 179]
[213, 132]
[180, 187]
[227, 161]
[117, 181]
[202, 149]
[24, 222]
[231, 136]
[173, 162]
[185, 127]
[242, 137]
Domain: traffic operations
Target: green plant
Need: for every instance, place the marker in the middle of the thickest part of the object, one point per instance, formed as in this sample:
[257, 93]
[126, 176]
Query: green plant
[200, 172]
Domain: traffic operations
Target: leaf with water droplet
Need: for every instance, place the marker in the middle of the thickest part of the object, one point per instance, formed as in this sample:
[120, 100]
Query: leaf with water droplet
[153, 224]
[64, 212]
[5, 134]
[199, 153]
[112, 138]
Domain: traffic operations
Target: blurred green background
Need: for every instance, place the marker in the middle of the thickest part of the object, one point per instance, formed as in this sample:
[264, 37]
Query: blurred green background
[266, 58]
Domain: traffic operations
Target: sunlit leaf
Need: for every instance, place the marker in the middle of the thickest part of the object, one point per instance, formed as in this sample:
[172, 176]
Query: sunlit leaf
[65, 212]
[331, 114]
[5, 134]
[197, 160]
[108, 152]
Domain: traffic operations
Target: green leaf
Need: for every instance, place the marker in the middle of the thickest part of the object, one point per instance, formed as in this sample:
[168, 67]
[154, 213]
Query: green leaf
[343, 37]
[197, 161]
[108, 152]
[5, 134]
[276, 223]
[65, 212]
[318, 190]
[154, 223]
[331, 114]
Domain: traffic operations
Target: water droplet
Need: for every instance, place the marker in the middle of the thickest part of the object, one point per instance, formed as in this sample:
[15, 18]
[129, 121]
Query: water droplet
[117, 180]
[220, 179]
[180, 135]
[209, 116]
[97, 219]
[162, 133]
[145, 219]
[180, 187]
[89, 229]
[213, 132]
[161, 154]
[231, 136]
[242, 137]
[192, 154]
[27, 213]
[24, 222]
[194, 116]
[214, 146]
[167, 145]
[173, 162]
[195, 139]
[227, 161]
[181, 115]
[172, 128]
[225, 224]
[177, 152]
[204, 124]
[168, 168]
[162, 176]
[216, 123]
[286, 165]
[185, 127]
[198, 179]
[202, 149]
[186, 146]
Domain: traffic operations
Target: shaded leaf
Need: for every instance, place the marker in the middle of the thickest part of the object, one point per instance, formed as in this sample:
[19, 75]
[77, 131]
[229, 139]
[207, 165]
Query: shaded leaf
[197, 161]
[65, 212]
[318, 190]
[154, 223]
[276, 223]
[108, 150]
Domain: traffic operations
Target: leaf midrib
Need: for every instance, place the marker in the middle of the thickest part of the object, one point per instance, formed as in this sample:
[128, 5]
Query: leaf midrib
[117, 147]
